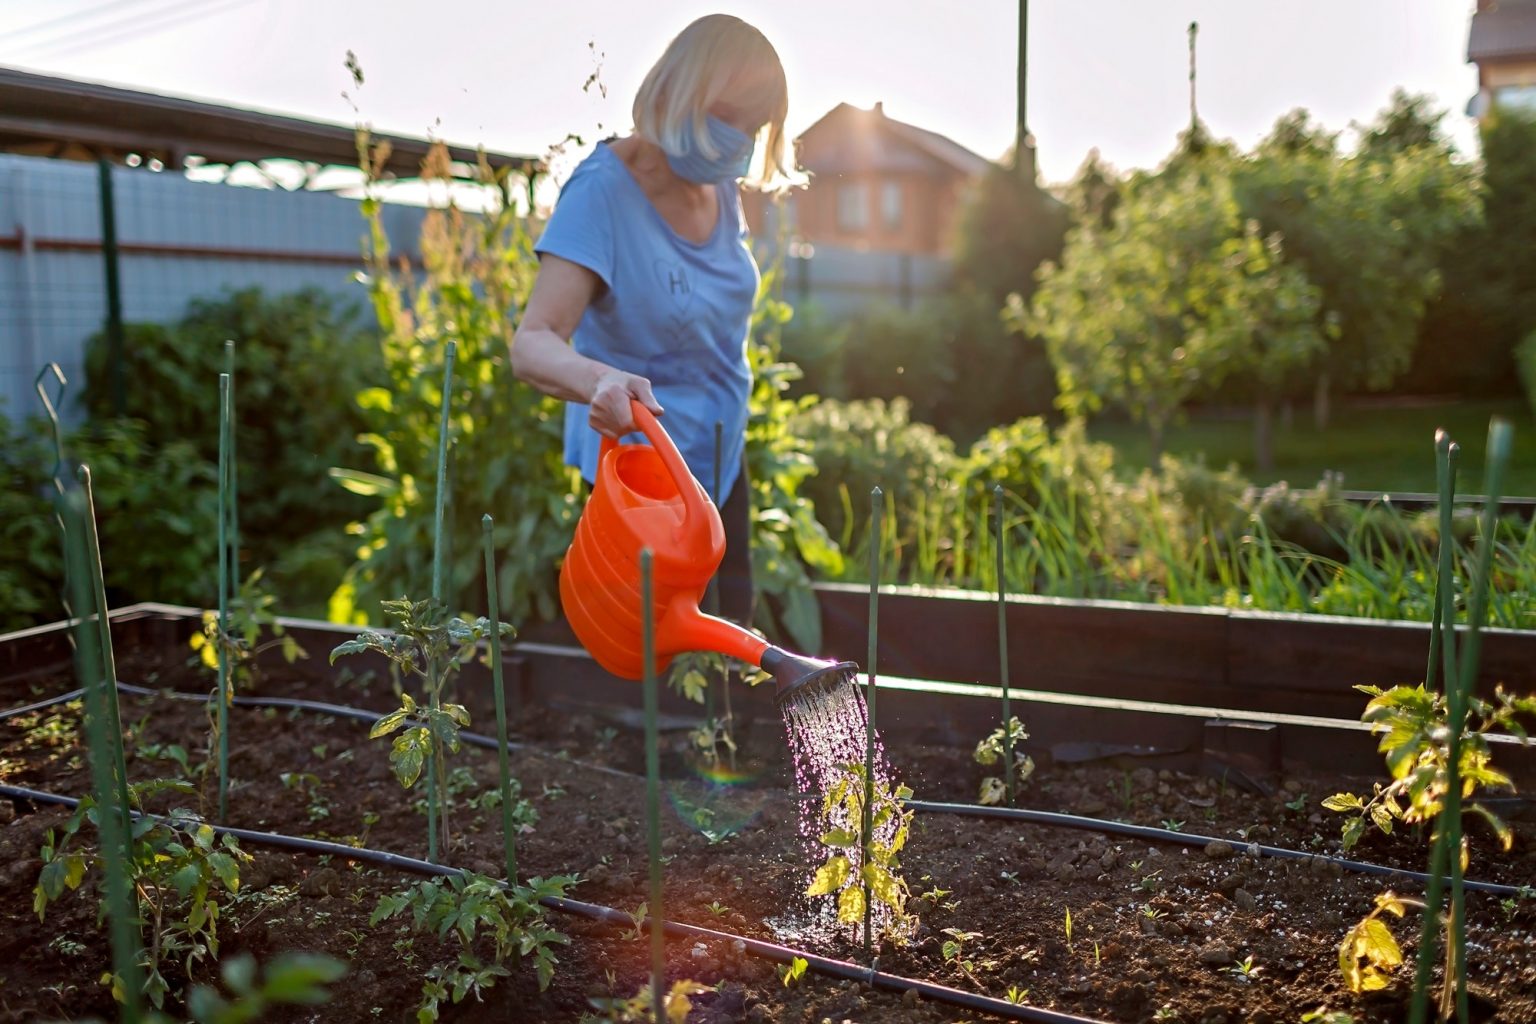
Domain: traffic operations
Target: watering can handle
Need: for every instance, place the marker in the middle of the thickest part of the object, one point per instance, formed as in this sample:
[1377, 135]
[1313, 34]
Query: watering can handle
[694, 508]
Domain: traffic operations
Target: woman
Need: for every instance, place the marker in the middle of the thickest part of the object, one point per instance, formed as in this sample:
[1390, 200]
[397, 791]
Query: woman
[645, 265]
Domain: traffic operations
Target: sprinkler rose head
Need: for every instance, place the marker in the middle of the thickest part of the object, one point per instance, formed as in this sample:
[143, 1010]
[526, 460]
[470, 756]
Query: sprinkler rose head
[796, 676]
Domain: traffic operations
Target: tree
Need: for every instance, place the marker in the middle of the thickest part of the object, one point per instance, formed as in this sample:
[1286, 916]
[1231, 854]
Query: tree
[1409, 122]
[1367, 230]
[1165, 304]
[1487, 304]
[1007, 229]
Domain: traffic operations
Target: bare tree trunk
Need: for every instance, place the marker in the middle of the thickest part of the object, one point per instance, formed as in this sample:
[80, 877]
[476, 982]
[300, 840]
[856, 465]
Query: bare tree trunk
[1263, 435]
[1322, 405]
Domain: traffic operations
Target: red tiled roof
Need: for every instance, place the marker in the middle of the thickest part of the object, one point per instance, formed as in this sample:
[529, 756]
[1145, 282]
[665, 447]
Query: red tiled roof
[1504, 31]
[869, 140]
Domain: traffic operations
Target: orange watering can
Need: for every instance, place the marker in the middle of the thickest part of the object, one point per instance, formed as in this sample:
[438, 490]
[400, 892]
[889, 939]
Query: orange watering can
[645, 497]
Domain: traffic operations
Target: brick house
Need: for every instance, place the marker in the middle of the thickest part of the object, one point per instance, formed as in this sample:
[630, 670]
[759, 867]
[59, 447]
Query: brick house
[1502, 43]
[877, 185]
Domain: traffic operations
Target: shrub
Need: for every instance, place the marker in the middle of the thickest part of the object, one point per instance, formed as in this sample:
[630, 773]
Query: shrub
[951, 357]
[863, 444]
[505, 457]
[156, 508]
[300, 359]
[1525, 354]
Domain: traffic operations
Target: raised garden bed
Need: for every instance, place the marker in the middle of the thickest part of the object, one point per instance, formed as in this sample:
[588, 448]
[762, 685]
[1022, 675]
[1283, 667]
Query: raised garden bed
[1158, 928]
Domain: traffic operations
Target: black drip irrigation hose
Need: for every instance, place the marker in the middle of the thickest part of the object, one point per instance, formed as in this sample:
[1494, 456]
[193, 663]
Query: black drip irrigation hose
[1053, 818]
[597, 912]
[1163, 835]
[473, 739]
[42, 705]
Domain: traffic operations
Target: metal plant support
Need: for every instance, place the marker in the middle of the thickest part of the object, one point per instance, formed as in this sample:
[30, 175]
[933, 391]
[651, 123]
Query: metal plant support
[867, 826]
[504, 772]
[652, 786]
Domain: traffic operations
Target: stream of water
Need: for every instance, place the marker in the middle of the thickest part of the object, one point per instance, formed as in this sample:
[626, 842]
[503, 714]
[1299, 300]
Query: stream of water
[828, 732]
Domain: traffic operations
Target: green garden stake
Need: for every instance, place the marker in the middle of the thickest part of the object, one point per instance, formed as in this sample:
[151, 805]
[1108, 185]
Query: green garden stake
[50, 409]
[120, 912]
[1436, 623]
[712, 592]
[652, 783]
[867, 826]
[220, 648]
[494, 606]
[450, 350]
[114, 720]
[1002, 639]
[1449, 454]
[714, 595]
[1499, 444]
[438, 558]
[234, 471]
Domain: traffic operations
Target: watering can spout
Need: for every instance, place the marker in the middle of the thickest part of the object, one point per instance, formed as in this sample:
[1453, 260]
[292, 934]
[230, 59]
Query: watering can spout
[796, 677]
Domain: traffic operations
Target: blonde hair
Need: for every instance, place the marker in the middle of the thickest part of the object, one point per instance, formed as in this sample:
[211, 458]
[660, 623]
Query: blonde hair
[697, 68]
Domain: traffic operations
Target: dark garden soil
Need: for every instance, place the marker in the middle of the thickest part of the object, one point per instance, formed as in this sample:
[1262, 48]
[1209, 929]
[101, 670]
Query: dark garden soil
[1157, 930]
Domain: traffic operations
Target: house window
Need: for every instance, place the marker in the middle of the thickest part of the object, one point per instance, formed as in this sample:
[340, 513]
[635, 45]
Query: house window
[852, 206]
[1516, 97]
[890, 205]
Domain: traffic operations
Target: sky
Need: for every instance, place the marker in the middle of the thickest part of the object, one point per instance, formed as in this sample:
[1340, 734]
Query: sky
[510, 74]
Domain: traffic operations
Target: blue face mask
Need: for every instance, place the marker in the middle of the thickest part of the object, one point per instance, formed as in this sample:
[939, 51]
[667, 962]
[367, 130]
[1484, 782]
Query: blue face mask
[734, 146]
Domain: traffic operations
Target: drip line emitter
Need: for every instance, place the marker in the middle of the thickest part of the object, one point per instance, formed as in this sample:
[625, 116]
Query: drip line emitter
[664, 529]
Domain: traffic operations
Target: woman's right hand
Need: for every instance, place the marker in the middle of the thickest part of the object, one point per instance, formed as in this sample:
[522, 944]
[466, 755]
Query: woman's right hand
[609, 410]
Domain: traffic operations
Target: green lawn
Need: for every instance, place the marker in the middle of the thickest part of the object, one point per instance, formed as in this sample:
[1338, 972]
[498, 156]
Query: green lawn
[1377, 447]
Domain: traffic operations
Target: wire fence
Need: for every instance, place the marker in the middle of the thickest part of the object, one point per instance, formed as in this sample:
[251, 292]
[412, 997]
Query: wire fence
[177, 240]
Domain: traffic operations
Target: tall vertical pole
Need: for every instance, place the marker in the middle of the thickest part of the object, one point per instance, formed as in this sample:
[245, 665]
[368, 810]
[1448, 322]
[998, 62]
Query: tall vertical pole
[1002, 638]
[1194, 30]
[101, 741]
[652, 786]
[504, 772]
[1023, 145]
[114, 720]
[114, 289]
[1448, 453]
[435, 769]
[221, 648]
[234, 472]
[876, 506]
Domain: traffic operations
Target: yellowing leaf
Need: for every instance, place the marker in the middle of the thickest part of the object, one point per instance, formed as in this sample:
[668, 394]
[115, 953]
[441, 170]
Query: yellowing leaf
[388, 724]
[850, 905]
[993, 792]
[677, 1002]
[1366, 954]
[883, 885]
[830, 877]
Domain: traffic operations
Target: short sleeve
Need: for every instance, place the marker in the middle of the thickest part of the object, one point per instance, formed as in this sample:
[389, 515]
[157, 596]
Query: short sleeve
[581, 229]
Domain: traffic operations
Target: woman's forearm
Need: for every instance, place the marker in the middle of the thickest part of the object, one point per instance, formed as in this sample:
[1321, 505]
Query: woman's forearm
[544, 359]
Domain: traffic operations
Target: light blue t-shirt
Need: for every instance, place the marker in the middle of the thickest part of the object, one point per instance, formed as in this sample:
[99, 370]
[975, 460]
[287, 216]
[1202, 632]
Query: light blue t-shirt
[671, 310]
